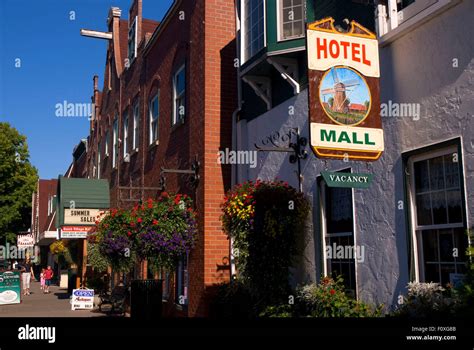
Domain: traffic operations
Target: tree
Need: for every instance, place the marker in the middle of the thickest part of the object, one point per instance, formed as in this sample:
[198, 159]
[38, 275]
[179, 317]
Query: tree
[17, 182]
[330, 101]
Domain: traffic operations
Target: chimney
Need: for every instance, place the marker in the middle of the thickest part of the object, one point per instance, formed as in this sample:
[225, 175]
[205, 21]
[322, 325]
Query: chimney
[113, 18]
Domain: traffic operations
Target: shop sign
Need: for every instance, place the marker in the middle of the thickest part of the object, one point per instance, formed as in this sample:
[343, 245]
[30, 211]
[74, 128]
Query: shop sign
[10, 291]
[82, 299]
[344, 93]
[25, 241]
[81, 216]
[348, 180]
[75, 231]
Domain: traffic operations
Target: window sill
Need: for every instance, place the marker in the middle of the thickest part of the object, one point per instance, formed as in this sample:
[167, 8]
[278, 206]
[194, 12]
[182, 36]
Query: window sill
[415, 21]
[280, 40]
[178, 124]
[154, 144]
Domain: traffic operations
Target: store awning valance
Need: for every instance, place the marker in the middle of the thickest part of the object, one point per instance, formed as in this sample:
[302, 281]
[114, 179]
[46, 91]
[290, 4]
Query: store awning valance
[77, 194]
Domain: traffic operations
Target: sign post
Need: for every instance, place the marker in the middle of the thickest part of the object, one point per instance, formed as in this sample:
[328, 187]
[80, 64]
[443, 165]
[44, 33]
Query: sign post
[344, 94]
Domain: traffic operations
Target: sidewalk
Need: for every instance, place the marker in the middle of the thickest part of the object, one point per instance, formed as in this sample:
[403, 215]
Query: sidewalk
[37, 304]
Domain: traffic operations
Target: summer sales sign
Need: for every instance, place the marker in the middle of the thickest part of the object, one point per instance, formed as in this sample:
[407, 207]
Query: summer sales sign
[344, 94]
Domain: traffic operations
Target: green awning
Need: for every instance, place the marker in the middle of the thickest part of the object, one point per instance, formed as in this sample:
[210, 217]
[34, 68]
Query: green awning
[77, 193]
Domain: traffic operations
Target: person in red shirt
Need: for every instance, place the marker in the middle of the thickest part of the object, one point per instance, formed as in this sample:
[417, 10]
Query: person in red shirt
[48, 276]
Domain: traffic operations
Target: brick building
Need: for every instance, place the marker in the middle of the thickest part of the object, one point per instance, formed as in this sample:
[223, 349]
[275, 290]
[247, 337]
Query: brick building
[43, 212]
[167, 101]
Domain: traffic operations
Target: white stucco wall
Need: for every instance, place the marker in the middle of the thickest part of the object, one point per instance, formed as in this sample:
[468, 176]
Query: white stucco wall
[416, 68]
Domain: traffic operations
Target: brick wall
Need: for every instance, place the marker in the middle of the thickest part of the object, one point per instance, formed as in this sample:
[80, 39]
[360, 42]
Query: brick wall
[199, 34]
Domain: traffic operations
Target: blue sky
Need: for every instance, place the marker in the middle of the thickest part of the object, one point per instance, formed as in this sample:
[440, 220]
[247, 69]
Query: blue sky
[356, 94]
[57, 64]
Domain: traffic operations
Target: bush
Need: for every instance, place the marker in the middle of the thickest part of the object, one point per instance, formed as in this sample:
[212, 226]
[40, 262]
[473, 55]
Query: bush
[328, 299]
[428, 300]
[266, 221]
[232, 300]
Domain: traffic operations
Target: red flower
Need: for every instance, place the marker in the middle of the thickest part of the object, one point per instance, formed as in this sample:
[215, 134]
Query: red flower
[139, 220]
[164, 194]
[155, 222]
[97, 223]
[150, 205]
[332, 291]
[129, 233]
[132, 224]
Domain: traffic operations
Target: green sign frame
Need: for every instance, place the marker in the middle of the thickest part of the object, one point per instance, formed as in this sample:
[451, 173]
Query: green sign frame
[10, 287]
[347, 180]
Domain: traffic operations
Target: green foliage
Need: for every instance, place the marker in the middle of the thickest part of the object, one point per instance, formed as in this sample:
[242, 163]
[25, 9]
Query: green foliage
[277, 311]
[266, 221]
[428, 300]
[466, 290]
[328, 299]
[17, 182]
[98, 262]
[232, 301]
[161, 231]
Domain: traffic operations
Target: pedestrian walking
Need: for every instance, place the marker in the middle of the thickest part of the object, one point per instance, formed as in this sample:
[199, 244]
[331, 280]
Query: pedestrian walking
[26, 272]
[42, 279]
[48, 276]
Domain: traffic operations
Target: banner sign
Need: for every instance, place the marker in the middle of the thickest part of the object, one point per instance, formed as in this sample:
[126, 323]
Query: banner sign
[25, 241]
[82, 299]
[75, 231]
[347, 180]
[82, 216]
[10, 290]
[344, 94]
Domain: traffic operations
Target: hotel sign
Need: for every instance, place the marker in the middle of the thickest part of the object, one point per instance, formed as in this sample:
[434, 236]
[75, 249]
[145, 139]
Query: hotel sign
[344, 94]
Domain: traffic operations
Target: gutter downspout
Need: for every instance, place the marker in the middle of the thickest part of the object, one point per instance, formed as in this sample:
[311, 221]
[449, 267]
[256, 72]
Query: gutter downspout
[235, 143]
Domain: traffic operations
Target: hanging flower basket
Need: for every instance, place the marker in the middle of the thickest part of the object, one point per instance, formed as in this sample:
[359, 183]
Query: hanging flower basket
[161, 231]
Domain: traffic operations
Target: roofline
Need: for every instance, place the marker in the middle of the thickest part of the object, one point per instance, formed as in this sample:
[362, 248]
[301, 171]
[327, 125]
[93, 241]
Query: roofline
[162, 25]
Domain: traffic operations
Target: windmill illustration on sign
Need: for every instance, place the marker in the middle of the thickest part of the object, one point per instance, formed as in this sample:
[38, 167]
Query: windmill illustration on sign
[345, 96]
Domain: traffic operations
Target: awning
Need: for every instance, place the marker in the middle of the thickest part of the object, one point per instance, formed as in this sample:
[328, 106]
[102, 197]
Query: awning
[75, 194]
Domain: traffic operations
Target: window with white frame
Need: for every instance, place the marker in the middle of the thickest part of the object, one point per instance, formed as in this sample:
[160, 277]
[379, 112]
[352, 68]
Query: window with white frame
[179, 95]
[154, 111]
[404, 13]
[136, 123]
[253, 17]
[132, 40]
[115, 143]
[338, 229]
[125, 134]
[291, 19]
[437, 212]
[106, 143]
[181, 284]
[99, 153]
